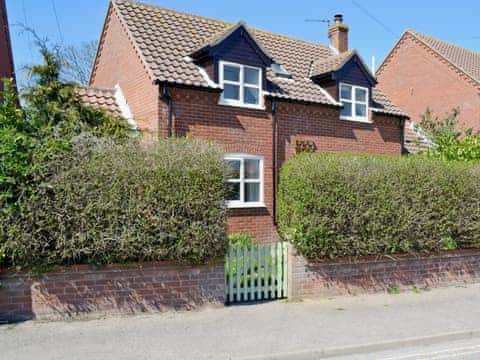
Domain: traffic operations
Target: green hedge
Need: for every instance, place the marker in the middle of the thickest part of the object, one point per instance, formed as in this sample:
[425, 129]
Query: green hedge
[346, 205]
[123, 203]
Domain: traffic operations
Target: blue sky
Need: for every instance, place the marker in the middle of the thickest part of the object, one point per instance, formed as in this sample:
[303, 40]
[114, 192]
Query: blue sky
[82, 20]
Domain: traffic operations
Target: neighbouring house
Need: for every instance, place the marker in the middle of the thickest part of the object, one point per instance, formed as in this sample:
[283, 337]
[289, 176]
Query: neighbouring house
[423, 72]
[261, 96]
[6, 58]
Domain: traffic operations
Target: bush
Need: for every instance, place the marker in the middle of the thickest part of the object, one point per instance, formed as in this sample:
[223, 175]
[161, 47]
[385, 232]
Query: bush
[122, 203]
[242, 240]
[347, 205]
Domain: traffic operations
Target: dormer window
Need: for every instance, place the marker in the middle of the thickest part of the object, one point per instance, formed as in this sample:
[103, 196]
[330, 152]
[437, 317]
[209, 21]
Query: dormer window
[355, 102]
[242, 85]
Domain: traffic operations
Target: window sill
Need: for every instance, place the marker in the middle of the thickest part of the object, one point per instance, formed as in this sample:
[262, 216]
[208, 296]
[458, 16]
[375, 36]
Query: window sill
[246, 205]
[363, 121]
[241, 105]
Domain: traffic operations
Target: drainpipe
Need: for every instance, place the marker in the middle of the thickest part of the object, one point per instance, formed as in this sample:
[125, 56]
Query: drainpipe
[274, 159]
[166, 95]
[402, 135]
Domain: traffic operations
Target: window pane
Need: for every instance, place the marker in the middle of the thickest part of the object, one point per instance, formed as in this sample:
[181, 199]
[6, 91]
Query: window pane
[361, 110]
[234, 169]
[233, 191]
[347, 109]
[231, 92]
[361, 95]
[346, 92]
[252, 169]
[250, 96]
[231, 73]
[252, 192]
[250, 76]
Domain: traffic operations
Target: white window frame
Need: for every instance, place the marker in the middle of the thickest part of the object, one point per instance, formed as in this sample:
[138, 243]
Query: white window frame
[353, 101]
[241, 84]
[242, 181]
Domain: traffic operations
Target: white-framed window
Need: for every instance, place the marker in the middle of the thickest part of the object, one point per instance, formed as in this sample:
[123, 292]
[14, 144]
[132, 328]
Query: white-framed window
[355, 102]
[245, 180]
[242, 85]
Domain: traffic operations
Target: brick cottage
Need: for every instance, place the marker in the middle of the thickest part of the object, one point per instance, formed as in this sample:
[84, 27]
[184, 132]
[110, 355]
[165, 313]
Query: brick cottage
[261, 96]
[423, 72]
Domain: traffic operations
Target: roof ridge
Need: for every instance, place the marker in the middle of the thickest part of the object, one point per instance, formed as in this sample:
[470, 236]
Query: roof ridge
[86, 87]
[333, 56]
[267, 32]
[423, 38]
[417, 33]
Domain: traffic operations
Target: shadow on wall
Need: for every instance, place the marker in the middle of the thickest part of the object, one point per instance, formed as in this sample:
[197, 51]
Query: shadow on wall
[126, 290]
[339, 277]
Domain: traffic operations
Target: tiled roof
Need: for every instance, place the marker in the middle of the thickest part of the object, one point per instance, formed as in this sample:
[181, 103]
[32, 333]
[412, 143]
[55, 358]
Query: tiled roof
[100, 98]
[382, 104]
[331, 63]
[465, 60]
[414, 141]
[165, 38]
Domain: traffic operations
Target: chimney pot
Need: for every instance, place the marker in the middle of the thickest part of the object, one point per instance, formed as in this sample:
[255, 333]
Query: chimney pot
[338, 34]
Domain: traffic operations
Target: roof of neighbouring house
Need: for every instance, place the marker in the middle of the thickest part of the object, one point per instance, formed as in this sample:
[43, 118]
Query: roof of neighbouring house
[164, 40]
[465, 60]
[100, 99]
[415, 140]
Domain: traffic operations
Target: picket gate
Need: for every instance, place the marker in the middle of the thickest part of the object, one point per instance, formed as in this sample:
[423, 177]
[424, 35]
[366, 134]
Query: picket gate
[256, 273]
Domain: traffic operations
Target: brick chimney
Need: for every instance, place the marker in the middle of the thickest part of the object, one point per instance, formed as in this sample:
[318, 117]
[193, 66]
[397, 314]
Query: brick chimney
[338, 34]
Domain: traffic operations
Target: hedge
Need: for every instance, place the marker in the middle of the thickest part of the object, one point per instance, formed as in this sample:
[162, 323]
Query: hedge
[346, 205]
[109, 203]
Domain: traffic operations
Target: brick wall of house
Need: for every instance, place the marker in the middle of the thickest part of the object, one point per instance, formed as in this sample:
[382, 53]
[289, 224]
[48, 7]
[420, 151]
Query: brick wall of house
[197, 114]
[415, 78]
[6, 57]
[357, 276]
[119, 63]
[237, 130]
[80, 290]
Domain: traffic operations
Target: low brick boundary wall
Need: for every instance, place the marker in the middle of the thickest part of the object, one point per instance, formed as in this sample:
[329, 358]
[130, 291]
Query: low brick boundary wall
[121, 289]
[357, 276]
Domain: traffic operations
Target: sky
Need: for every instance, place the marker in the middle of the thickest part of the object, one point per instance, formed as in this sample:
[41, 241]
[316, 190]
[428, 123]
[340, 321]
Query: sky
[375, 25]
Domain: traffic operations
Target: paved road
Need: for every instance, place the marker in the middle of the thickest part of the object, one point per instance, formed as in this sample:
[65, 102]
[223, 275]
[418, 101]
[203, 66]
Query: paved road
[362, 327]
[454, 350]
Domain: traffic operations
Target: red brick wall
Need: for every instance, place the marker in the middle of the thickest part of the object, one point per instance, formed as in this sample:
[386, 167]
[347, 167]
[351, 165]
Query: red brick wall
[197, 114]
[119, 63]
[237, 130]
[356, 276]
[79, 290]
[415, 78]
[6, 58]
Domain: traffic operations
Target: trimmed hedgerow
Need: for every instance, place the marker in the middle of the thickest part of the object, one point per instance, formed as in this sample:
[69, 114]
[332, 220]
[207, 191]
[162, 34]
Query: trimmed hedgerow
[347, 205]
[109, 203]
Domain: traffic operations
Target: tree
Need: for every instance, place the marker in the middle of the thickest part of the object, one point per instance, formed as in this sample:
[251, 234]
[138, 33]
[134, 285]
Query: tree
[436, 127]
[78, 61]
[52, 116]
[450, 142]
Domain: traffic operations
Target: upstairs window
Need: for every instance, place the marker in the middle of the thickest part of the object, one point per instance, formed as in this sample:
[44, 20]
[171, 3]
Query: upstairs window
[245, 180]
[242, 85]
[355, 102]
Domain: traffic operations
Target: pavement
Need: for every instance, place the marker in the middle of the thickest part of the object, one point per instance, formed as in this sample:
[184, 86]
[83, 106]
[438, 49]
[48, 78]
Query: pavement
[418, 324]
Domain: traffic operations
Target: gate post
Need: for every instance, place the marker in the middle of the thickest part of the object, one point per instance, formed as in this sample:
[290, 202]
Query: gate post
[291, 293]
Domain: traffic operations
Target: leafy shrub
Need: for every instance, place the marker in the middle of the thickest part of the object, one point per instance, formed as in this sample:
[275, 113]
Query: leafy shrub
[242, 240]
[53, 114]
[122, 203]
[451, 142]
[346, 205]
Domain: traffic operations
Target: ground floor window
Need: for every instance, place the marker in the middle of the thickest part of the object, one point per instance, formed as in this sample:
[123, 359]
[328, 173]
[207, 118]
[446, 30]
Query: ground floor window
[245, 180]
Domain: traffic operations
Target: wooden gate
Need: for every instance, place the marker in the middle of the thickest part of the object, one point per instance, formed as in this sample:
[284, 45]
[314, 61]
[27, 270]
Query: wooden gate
[256, 273]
